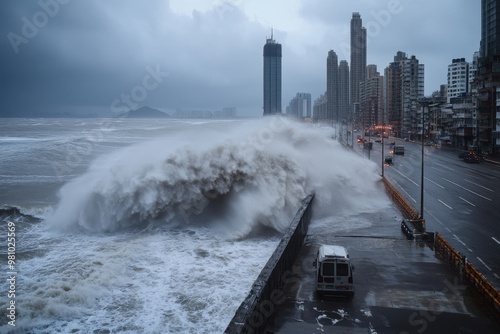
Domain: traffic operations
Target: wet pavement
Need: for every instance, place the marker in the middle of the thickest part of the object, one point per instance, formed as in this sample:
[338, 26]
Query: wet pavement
[400, 286]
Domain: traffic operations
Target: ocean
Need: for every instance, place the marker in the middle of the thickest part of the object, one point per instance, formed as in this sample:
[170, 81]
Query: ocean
[157, 226]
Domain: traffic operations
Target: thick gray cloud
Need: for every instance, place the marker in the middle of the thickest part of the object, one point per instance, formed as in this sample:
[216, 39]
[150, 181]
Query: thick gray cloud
[103, 56]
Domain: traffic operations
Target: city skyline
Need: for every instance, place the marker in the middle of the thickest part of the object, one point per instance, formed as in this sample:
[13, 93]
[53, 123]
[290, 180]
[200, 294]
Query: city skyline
[103, 57]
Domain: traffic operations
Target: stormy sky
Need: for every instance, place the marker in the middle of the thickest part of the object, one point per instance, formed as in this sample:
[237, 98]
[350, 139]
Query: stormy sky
[107, 56]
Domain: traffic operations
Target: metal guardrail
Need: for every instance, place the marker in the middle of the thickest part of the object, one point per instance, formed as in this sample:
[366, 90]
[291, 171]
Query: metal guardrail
[468, 272]
[446, 252]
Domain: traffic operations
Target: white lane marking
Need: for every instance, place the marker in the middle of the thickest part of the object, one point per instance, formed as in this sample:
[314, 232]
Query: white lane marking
[446, 167]
[435, 218]
[439, 170]
[474, 183]
[463, 243]
[406, 177]
[458, 239]
[498, 242]
[472, 192]
[496, 276]
[484, 264]
[437, 184]
[414, 200]
[466, 201]
[446, 205]
[439, 221]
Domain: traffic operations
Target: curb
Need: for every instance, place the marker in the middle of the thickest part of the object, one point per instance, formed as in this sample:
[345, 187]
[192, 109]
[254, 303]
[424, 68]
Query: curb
[492, 162]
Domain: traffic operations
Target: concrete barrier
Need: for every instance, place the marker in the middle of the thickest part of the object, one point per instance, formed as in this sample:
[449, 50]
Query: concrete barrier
[266, 293]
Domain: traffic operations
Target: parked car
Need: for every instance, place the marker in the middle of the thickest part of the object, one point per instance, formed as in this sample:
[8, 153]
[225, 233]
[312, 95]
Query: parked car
[472, 158]
[464, 154]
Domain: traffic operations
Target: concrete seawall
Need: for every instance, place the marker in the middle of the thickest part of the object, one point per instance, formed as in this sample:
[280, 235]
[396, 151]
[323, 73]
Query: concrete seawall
[266, 293]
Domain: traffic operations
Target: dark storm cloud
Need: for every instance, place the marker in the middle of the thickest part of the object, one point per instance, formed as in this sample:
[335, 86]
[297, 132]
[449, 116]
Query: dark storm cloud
[91, 53]
[97, 55]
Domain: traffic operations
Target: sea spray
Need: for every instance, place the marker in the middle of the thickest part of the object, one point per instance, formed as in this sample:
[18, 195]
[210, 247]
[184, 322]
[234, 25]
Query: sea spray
[167, 278]
[256, 172]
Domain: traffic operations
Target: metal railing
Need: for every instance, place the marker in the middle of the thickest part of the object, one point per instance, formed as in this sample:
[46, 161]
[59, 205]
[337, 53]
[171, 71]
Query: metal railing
[468, 272]
[449, 255]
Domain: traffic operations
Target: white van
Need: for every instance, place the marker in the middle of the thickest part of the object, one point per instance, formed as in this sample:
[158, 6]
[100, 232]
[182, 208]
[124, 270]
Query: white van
[333, 270]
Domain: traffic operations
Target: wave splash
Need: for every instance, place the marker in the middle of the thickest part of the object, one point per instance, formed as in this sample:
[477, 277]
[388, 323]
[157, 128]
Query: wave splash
[236, 175]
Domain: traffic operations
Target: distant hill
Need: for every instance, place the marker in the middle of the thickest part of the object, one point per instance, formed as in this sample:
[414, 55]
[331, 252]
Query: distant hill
[144, 112]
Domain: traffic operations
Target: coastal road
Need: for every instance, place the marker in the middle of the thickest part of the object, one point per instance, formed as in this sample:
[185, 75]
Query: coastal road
[400, 286]
[461, 200]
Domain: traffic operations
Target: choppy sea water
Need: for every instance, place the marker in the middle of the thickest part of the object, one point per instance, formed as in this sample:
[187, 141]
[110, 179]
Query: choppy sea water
[158, 226]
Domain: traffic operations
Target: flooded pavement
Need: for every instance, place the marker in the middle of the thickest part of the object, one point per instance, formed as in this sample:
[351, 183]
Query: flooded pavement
[400, 286]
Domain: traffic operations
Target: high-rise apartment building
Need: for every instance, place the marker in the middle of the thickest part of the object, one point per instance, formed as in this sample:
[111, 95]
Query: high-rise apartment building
[371, 98]
[404, 86]
[488, 80]
[458, 78]
[332, 86]
[473, 73]
[394, 98]
[272, 77]
[343, 90]
[358, 58]
[319, 108]
[490, 29]
[300, 106]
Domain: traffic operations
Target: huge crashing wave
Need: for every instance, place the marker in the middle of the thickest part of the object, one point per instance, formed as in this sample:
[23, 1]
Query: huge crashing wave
[235, 176]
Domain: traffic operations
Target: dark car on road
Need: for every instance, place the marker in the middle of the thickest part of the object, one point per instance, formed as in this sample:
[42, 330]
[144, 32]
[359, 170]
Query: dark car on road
[388, 160]
[464, 154]
[470, 156]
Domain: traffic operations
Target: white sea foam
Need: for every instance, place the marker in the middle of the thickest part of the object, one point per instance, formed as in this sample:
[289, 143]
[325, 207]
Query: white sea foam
[154, 281]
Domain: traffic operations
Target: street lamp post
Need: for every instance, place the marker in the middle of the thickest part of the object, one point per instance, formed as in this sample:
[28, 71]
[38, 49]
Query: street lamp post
[383, 132]
[424, 105]
[422, 173]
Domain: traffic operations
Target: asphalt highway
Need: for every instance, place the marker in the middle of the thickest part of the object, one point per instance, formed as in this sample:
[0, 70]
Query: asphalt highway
[461, 200]
[400, 286]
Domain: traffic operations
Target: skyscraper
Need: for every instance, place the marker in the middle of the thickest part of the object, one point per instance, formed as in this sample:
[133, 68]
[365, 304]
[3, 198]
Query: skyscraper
[343, 89]
[332, 86]
[272, 77]
[487, 80]
[358, 58]
[300, 106]
[371, 98]
[405, 85]
[490, 30]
